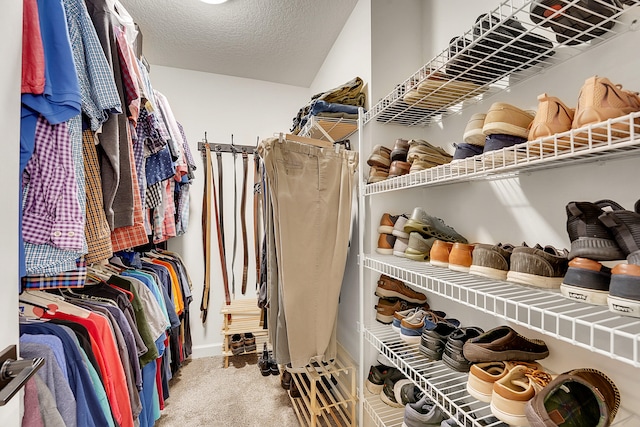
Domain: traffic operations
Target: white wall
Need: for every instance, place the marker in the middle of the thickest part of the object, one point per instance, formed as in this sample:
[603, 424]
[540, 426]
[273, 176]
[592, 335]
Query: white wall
[11, 36]
[222, 106]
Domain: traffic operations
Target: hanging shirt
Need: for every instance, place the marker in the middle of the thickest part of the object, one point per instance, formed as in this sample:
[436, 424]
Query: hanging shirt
[33, 79]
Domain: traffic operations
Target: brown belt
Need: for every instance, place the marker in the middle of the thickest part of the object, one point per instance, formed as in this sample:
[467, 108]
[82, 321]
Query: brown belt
[206, 227]
[256, 213]
[243, 205]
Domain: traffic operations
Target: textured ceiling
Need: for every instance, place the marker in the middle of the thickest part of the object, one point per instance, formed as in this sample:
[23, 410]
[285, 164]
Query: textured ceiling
[282, 41]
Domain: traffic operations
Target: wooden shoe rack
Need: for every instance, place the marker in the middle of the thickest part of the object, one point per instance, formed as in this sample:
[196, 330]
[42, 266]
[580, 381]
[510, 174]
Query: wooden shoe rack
[240, 317]
[328, 395]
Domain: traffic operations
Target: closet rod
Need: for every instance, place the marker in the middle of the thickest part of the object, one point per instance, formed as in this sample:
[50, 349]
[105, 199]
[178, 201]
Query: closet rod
[227, 148]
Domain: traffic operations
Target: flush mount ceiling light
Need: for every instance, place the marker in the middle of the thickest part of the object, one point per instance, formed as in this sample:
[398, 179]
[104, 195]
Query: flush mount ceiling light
[213, 1]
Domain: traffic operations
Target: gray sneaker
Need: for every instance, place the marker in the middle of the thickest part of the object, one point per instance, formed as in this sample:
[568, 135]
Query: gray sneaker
[431, 226]
[422, 413]
[418, 247]
[491, 261]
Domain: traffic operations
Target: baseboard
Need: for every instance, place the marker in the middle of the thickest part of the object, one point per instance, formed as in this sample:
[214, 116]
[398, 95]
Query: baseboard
[206, 350]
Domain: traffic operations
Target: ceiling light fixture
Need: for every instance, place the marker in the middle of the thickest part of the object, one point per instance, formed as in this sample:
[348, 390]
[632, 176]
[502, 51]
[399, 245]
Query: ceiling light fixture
[213, 1]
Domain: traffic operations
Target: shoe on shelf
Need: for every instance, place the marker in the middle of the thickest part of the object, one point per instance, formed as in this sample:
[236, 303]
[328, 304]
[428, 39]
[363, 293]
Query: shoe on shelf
[422, 150]
[470, 65]
[512, 392]
[503, 343]
[440, 251]
[460, 258]
[387, 308]
[380, 156]
[575, 24]
[377, 174]
[600, 100]
[412, 326]
[385, 244]
[407, 392]
[580, 397]
[237, 344]
[389, 287]
[537, 266]
[401, 314]
[430, 226]
[491, 261]
[387, 223]
[589, 236]
[453, 355]
[552, 117]
[400, 150]
[509, 43]
[387, 394]
[418, 247]
[473, 131]
[464, 150]
[398, 227]
[507, 119]
[399, 168]
[483, 375]
[264, 363]
[433, 341]
[376, 377]
[249, 342]
[586, 280]
[421, 164]
[624, 291]
[400, 246]
[625, 227]
[422, 413]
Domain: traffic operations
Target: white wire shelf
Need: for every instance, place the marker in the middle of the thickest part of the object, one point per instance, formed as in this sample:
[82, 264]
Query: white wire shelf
[596, 142]
[382, 414]
[484, 61]
[330, 129]
[446, 387]
[588, 326]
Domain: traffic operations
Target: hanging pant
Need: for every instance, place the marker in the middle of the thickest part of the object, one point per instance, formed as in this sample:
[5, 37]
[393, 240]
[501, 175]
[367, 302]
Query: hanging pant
[311, 192]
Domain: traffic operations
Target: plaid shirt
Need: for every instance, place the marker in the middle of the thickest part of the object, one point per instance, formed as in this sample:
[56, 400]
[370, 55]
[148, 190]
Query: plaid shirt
[148, 132]
[97, 229]
[52, 213]
[97, 86]
[132, 235]
[47, 259]
[67, 279]
[129, 75]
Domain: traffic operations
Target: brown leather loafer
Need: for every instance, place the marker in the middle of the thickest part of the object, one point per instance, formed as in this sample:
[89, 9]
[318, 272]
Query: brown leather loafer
[399, 168]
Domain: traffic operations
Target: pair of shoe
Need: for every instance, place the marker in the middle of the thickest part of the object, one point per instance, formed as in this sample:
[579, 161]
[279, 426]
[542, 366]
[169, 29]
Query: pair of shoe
[424, 412]
[379, 162]
[386, 308]
[454, 256]
[446, 342]
[267, 364]
[575, 22]
[390, 230]
[604, 231]
[542, 267]
[599, 100]
[430, 226]
[382, 380]
[391, 288]
[439, 91]
[413, 325]
[423, 155]
[242, 343]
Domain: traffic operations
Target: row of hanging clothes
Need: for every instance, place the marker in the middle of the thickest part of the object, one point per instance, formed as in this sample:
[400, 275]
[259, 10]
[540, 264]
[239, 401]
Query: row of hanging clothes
[105, 166]
[111, 346]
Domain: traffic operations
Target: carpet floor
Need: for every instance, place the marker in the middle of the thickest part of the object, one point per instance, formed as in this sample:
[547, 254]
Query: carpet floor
[205, 394]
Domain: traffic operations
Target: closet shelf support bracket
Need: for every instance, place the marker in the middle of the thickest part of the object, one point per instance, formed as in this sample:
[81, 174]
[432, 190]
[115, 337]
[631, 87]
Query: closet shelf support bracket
[14, 373]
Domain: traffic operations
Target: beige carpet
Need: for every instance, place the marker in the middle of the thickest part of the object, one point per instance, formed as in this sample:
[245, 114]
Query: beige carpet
[205, 394]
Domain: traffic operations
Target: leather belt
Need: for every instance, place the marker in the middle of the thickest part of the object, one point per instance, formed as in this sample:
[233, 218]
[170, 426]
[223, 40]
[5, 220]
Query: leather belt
[206, 227]
[243, 206]
[257, 198]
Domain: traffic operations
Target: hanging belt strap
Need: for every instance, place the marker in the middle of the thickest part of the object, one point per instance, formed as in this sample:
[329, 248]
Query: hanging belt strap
[256, 213]
[221, 211]
[243, 210]
[206, 226]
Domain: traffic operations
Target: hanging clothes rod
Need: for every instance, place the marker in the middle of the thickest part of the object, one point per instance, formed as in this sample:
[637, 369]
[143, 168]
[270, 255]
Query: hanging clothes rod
[227, 148]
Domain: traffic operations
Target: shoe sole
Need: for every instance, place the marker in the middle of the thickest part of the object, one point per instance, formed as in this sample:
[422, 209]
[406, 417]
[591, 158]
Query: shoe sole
[383, 251]
[624, 306]
[389, 402]
[596, 249]
[416, 256]
[474, 137]
[511, 419]
[455, 365]
[426, 230]
[432, 355]
[491, 273]
[411, 339]
[533, 280]
[385, 229]
[373, 388]
[505, 128]
[475, 354]
[439, 263]
[400, 234]
[384, 319]
[383, 293]
[578, 293]
[456, 267]
[399, 253]
[482, 397]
